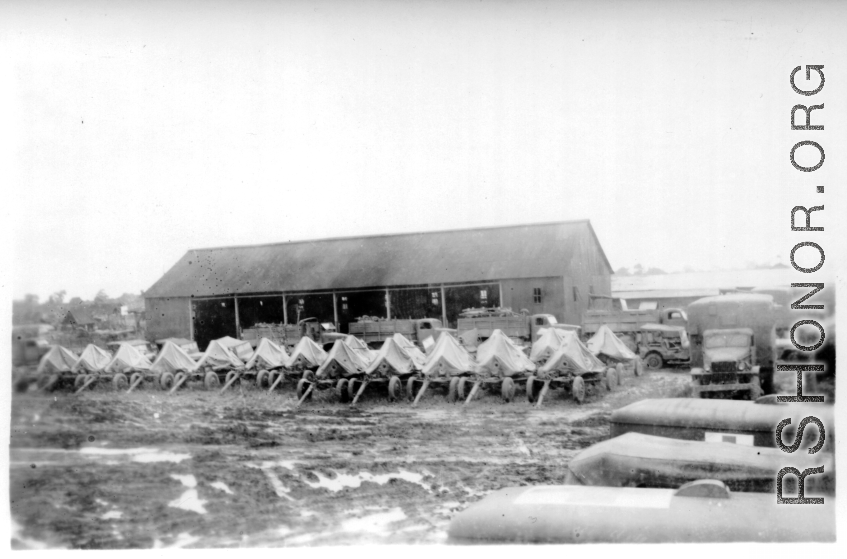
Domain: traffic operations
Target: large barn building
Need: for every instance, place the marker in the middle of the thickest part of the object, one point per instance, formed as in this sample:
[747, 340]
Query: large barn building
[557, 268]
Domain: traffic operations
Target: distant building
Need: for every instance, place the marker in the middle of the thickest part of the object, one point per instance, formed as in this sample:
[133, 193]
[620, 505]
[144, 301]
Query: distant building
[679, 290]
[80, 317]
[557, 268]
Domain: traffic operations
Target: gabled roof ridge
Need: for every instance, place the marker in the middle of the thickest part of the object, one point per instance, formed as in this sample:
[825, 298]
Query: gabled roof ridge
[386, 235]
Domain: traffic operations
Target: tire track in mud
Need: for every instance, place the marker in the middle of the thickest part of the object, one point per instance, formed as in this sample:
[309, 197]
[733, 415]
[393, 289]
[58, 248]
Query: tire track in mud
[321, 474]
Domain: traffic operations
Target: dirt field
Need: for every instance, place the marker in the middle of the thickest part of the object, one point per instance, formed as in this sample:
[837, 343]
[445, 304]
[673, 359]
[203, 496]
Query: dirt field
[200, 469]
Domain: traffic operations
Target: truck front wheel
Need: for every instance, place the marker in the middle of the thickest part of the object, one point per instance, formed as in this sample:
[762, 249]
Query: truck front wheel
[654, 361]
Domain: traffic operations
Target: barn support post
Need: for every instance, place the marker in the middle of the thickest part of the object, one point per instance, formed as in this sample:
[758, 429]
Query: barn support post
[284, 310]
[443, 307]
[237, 321]
[387, 304]
[500, 286]
[190, 319]
[335, 310]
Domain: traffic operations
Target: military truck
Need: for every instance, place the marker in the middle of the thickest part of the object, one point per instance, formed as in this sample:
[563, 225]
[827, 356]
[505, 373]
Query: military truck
[515, 325]
[374, 332]
[626, 324]
[659, 345]
[733, 339]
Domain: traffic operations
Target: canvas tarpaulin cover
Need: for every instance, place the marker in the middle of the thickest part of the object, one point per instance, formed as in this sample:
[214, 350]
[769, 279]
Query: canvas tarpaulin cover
[403, 341]
[342, 360]
[606, 343]
[218, 356]
[498, 355]
[307, 354]
[447, 358]
[242, 349]
[548, 341]
[92, 359]
[638, 460]
[396, 359]
[57, 360]
[128, 358]
[267, 355]
[171, 359]
[572, 356]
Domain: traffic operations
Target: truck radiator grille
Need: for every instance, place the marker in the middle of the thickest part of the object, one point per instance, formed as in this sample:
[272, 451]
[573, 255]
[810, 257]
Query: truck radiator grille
[724, 367]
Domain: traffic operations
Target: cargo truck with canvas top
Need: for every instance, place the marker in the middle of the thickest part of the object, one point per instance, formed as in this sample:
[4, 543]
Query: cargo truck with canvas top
[732, 345]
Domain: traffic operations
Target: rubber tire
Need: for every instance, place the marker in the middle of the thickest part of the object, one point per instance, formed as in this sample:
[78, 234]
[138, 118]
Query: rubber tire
[46, 383]
[654, 361]
[21, 385]
[79, 381]
[341, 390]
[352, 388]
[756, 390]
[302, 386]
[453, 390]
[166, 381]
[578, 390]
[410, 389]
[211, 381]
[531, 396]
[767, 383]
[135, 377]
[262, 379]
[462, 388]
[119, 382]
[507, 390]
[639, 367]
[611, 379]
[395, 392]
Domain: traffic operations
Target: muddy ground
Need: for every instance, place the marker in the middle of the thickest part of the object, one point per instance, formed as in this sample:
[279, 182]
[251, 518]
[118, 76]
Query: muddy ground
[245, 468]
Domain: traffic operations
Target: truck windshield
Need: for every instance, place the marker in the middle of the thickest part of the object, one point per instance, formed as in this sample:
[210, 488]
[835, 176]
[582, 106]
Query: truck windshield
[551, 320]
[727, 340]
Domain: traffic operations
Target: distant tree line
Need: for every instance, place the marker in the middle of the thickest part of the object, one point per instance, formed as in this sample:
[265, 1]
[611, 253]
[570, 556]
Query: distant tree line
[31, 310]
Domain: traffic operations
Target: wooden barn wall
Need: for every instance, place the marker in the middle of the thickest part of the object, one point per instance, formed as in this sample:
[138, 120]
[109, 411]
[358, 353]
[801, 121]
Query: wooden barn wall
[167, 317]
[518, 294]
[588, 273]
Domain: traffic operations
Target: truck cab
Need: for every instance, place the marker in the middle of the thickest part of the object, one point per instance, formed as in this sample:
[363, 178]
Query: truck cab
[539, 321]
[729, 363]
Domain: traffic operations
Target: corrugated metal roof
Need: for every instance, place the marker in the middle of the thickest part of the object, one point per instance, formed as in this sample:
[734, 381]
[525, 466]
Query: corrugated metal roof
[519, 251]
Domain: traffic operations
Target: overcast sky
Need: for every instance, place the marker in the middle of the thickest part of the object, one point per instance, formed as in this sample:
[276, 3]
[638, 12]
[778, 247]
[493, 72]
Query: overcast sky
[144, 129]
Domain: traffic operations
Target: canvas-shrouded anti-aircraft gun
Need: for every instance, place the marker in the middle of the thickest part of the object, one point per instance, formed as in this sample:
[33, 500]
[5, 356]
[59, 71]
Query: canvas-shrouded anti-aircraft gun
[395, 362]
[56, 368]
[172, 360]
[571, 367]
[446, 363]
[128, 360]
[218, 360]
[614, 353]
[88, 367]
[346, 361]
[268, 360]
[500, 364]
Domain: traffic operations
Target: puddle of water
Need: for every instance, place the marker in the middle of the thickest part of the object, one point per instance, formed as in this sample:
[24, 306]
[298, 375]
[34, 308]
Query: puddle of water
[374, 523]
[27, 543]
[189, 500]
[222, 487]
[343, 480]
[183, 539]
[187, 480]
[112, 515]
[144, 455]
